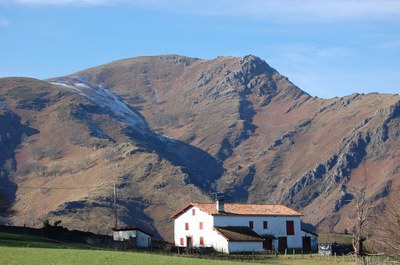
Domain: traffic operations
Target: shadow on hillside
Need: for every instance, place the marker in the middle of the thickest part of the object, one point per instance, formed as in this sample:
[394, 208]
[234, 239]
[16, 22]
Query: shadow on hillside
[133, 212]
[202, 168]
[12, 134]
[240, 191]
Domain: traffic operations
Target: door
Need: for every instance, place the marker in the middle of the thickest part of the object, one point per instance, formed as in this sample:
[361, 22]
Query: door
[267, 244]
[306, 243]
[189, 242]
[282, 243]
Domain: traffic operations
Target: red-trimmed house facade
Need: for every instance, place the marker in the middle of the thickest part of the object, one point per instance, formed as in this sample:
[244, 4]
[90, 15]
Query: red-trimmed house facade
[232, 227]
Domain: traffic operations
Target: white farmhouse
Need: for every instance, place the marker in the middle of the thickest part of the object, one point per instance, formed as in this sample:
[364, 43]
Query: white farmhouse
[132, 236]
[233, 227]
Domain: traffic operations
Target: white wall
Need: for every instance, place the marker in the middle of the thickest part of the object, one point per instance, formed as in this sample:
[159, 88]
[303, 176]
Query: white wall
[194, 231]
[314, 239]
[121, 235]
[220, 243]
[142, 240]
[245, 247]
[276, 226]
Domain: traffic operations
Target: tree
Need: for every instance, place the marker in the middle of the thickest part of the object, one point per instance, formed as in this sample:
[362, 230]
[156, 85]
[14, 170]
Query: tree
[363, 209]
[387, 228]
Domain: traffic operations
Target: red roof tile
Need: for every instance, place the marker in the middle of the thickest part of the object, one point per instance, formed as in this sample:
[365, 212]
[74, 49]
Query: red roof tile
[241, 209]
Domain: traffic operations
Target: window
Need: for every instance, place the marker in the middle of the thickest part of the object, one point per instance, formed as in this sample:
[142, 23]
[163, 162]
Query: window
[289, 228]
[201, 241]
[265, 224]
[193, 211]
[251, 224]
[186, 226]
[182, 241]
[201, 225]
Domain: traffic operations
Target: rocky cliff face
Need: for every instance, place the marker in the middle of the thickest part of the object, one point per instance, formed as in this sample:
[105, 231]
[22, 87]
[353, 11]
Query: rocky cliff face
[170, 129]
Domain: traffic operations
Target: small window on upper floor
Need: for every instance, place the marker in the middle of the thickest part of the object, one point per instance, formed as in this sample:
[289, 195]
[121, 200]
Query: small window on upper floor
[290, 228]
[251, 224]
[186, 226]
[193, 211]
[201, 225]
[265, 224]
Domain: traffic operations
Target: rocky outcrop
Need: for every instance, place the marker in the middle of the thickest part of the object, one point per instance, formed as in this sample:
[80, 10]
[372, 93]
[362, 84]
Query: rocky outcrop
[336, 171]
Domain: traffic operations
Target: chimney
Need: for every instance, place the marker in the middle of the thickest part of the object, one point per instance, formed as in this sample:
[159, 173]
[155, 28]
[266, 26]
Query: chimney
[220, 204]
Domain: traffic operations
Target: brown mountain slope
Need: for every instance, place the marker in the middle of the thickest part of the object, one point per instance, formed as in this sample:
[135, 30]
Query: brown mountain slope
[240, 128]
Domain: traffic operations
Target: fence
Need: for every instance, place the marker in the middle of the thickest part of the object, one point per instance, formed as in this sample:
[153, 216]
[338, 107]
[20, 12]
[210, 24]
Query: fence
[268, 256]
[376, 260]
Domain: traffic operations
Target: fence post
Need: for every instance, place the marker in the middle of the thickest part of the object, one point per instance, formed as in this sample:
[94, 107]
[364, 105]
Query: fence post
[285, 251]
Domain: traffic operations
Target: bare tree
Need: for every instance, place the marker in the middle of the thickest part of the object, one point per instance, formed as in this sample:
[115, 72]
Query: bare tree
[387, 228]
[363, 208]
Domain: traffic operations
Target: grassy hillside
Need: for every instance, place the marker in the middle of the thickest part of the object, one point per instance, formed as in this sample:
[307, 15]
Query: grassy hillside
[29, 241]
[332, 238]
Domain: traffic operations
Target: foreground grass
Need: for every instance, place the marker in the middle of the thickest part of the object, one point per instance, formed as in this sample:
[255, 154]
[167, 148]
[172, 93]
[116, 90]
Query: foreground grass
[25, 249]
[18, 255]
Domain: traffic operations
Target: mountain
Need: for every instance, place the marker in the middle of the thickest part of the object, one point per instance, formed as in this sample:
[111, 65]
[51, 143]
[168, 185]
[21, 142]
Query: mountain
[170, 129]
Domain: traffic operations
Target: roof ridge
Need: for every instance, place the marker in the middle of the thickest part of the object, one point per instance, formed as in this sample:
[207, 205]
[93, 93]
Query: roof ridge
[272, 204]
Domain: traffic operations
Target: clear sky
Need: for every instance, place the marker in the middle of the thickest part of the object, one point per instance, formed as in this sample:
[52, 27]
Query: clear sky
[326, 47]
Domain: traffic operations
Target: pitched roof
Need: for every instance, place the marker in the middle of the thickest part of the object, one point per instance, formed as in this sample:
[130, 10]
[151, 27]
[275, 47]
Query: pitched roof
[241, 209]
[130, 228]
[238, 233]
[309, 232]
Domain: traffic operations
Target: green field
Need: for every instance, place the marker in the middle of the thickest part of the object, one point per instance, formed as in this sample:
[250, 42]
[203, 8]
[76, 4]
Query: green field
[22, 249]
[20, 240]
[334, 237]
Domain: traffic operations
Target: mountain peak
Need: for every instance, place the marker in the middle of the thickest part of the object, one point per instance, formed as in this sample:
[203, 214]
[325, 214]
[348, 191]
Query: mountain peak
[170, 124]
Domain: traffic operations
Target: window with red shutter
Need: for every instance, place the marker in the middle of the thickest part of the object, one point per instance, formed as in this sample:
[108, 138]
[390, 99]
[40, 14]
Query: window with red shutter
[186, 226]
[182, 241]
[193, 211]
[201, 225]
[201, 241]
[290, 228]
[251, 224]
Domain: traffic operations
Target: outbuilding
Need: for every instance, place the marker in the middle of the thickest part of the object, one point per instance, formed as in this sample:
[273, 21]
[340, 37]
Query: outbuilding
[133, 236]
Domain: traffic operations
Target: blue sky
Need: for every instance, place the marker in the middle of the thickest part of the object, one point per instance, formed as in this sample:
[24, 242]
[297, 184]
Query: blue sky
[327, 48]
